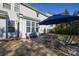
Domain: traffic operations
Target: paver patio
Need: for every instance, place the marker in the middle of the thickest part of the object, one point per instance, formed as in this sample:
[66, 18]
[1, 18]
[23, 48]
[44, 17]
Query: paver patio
[28, 47]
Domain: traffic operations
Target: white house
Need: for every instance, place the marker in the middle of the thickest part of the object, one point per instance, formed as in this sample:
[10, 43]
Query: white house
[20, 19]
[8, 19]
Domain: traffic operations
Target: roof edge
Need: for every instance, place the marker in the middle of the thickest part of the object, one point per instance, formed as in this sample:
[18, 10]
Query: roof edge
[29, 6]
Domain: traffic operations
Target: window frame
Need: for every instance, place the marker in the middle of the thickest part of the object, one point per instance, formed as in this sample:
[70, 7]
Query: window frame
[7, 6]
[11, 25]
[16, 7]
[37, 27]
[33, 26]
[28, 26]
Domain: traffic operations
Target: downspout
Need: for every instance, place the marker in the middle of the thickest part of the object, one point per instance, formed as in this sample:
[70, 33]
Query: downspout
[7, 26]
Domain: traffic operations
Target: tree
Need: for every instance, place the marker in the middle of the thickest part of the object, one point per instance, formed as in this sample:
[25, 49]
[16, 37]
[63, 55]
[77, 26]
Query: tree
[70, 28]
[66, 12]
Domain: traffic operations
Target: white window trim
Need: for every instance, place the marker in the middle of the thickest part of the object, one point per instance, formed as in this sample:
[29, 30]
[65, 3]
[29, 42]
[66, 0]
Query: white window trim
[28, 26]
[6, 7]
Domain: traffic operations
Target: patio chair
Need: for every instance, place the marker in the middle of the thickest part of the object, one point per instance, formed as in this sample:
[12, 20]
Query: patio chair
[33, 35]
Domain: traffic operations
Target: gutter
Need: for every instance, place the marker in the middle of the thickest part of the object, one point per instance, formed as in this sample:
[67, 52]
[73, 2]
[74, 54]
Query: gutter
[27, 17]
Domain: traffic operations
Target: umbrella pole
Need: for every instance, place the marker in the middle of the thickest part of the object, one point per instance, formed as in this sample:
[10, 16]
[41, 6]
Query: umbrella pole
[69, 39]
[72, 39]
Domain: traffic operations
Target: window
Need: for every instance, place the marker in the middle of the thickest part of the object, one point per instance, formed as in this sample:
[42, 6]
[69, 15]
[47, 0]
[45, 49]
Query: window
[27, 23]
[11, 23]
[33, 29]
[16, 7]
[28, 26]
[37, 28]
[7, 5]
[37, 14]
[33, 26]
[11, 26]
[28, 29]
[36, 24]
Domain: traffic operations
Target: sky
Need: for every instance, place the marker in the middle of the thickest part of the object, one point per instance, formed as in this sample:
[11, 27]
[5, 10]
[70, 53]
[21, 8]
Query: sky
[56, 8]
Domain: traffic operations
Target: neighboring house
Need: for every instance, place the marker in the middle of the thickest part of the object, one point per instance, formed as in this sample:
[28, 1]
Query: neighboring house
[20, 19]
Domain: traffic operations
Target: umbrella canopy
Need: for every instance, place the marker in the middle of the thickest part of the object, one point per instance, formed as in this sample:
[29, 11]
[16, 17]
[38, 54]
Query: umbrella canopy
[58, 19]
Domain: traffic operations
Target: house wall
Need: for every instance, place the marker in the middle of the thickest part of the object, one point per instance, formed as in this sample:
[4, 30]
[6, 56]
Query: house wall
[2, 28]
[43, 28]
[22, 28]
[11, 14]
[27, 13]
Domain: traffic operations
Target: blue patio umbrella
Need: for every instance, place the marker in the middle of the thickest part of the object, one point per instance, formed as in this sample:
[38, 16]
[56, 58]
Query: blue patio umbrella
[58, 19]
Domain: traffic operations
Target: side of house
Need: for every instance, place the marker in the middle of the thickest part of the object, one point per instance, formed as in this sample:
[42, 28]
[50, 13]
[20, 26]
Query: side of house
[21, 19]
[9, 23]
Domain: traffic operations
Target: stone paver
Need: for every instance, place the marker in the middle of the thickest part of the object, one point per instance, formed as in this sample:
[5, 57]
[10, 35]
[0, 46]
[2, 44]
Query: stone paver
[28, 47]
